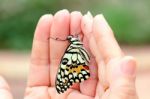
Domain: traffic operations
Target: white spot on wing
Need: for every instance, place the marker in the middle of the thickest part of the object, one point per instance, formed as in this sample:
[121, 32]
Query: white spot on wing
[62, 73]
[71, 80]
[77, 80]
[58, 76]
[63, 80]
[84, 72]
[66, 72]
[86, 76]
[68, 84]
[84, 52]
[80, 75]
[74, 57]
[80, 59]
[70, 76]
[75, 74]
[63, 66]
[82, 79]
[58, 87]
[68, 56]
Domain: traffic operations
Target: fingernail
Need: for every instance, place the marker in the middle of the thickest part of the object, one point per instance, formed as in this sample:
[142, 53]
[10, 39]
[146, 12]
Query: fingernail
[100, 19]
[128, 66]
[87, 22]
[64, 11]
[89, 15]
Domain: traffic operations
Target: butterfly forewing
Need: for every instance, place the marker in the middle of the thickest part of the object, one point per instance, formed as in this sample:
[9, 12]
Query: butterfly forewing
[73, 67]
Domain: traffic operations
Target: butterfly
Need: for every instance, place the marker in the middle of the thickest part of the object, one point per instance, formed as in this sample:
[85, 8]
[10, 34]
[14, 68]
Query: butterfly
[73, 66]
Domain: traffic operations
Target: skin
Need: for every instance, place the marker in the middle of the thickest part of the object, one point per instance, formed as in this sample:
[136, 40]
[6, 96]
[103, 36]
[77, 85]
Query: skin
[112, 72]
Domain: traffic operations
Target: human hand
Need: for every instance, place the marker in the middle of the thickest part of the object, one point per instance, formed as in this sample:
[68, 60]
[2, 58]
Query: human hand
[112, 73]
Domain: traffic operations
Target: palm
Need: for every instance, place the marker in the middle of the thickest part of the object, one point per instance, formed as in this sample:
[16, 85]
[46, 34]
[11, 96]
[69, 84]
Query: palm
[106, 80]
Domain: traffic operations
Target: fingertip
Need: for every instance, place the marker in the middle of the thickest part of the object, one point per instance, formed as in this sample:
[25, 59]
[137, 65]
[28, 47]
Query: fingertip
[45, 17]
[100, 19]
[99, 16]
[97, 22]
[44, 20]
[60, 26]
[130, 59]
[75, 23]
[101, 26]
[106, 42]
[62, 13]
[86, 24]
[43, 27]
[124, 80]
[76, 13]
[101, 23]
[129, 66]
[89, 14]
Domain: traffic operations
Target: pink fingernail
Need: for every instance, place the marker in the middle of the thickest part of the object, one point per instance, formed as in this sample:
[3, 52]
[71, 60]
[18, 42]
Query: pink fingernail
[128, 67]
[88, 20]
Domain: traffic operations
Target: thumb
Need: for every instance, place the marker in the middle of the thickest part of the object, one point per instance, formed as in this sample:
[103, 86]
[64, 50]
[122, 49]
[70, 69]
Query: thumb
[121, 76]
[4, 90]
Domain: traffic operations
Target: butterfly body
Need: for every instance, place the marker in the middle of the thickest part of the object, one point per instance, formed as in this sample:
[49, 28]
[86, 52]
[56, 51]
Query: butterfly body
[73, 66]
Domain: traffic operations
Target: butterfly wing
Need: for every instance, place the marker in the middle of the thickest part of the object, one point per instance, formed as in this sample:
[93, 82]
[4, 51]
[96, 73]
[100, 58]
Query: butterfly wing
[73, 68]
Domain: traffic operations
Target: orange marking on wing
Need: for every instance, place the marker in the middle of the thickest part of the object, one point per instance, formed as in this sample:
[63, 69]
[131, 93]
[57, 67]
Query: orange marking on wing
[77, 70]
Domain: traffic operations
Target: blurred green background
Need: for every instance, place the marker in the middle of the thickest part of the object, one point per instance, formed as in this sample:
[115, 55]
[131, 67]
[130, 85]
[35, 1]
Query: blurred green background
[130, 19]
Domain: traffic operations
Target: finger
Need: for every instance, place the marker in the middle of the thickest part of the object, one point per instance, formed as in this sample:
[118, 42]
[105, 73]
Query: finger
[69, 94]
[105, 39]
[54, 94]
[60, 29]
[121, 75]
[39, 65]
[4, 90]
[75, 29]
[107, 46]
[89, 44]
[75, 23]
[75, 93]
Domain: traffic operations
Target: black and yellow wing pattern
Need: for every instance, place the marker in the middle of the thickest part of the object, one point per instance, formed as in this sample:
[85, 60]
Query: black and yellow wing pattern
[73, 67]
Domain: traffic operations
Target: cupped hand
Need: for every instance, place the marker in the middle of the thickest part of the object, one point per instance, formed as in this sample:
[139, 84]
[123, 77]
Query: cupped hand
[112, 73]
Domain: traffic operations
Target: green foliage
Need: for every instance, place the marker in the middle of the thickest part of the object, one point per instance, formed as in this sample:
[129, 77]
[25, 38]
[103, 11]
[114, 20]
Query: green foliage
[129, 19]
[16, 30]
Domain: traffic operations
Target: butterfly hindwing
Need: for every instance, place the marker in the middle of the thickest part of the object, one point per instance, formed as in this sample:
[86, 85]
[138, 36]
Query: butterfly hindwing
[73, 67]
